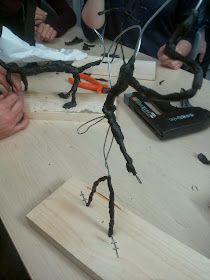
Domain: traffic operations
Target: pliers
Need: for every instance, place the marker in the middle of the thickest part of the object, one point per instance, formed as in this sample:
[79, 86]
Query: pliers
[92, 84]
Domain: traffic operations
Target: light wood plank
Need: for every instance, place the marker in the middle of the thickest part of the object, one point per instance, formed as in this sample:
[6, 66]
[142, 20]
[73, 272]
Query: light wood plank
[42, 106]
[43, 103]
[144, 70]
[145, 252]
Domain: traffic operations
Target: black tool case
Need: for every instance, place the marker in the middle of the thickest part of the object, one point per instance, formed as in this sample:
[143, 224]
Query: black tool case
[172, 121]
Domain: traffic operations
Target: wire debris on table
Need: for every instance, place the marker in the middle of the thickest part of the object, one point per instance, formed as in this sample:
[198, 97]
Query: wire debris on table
[203, 159]
[87, 47]
[75, 41]
[161, 82]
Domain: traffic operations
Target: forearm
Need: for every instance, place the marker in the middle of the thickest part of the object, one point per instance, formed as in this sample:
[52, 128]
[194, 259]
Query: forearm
[90, 13]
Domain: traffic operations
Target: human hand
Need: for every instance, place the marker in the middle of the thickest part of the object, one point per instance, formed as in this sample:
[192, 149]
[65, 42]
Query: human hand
[45, 33]
[40, 16]
[183, 47]
[16, 81]
[12, 117]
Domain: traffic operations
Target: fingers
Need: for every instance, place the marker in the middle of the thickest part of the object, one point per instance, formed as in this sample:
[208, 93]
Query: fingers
[166, 61]
[52, 35]
[41, 13]
[18, 117]
[41, 30]
[49, 34]
[22, 124]
[40, 16]
[18, 106]
[4, 83]
[173, 64]
[16, 81]
[9, 101]
[12, 119]
[46, 33]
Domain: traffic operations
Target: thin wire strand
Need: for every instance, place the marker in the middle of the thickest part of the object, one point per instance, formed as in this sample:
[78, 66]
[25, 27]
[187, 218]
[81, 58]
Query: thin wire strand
[102, 42]
[104, 151]
[99, 120]
[122, 33]
[110, 84]
[155, 14]
[198, 5]
[123, 54]
[107, 155]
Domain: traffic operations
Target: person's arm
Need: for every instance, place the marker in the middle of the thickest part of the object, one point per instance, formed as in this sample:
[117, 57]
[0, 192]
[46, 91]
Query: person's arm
[66, 16]
[48, 31]
[184, 8]
[90, 18]
[90, 13]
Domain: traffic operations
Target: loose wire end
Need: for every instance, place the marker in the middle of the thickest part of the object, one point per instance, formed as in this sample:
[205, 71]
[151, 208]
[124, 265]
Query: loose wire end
[138, 179]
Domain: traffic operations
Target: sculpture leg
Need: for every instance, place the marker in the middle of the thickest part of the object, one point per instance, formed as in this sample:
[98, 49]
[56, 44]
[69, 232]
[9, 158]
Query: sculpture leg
[95, 184]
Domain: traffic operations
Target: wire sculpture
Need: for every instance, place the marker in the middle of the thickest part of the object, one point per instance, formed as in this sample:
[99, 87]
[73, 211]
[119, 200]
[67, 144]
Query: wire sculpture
[126, 79]
[53, 66]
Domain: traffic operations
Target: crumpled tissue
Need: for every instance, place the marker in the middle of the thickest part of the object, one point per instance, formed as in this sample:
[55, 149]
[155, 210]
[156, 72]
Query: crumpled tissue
[13, 49]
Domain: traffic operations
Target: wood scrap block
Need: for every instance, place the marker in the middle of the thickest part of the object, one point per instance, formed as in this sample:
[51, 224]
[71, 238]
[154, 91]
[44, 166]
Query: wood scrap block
[144, 70]
[46, 106]
[144, 252]
[43, 103]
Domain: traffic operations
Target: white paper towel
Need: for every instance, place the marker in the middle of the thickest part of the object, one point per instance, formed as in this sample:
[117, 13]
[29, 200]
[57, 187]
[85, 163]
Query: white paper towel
[13, 49]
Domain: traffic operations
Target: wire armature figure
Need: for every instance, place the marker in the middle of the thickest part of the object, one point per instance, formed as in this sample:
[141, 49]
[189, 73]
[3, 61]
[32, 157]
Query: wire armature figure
[126, 79]
[54, 66]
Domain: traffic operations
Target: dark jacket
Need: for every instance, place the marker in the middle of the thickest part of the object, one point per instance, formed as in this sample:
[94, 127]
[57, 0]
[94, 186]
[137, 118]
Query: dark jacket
[66, 17]
[159, 30]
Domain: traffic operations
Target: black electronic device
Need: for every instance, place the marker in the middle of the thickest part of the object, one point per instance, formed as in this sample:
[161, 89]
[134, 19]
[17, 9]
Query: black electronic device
[172, 121]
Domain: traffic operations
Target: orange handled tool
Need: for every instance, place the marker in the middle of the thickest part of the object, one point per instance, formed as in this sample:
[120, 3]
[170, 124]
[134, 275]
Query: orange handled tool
[92, 84]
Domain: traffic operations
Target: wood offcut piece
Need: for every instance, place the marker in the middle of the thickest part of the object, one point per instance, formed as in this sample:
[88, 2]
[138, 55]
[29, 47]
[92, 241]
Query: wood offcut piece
[138, 250]
[144, 70]
[48, 106]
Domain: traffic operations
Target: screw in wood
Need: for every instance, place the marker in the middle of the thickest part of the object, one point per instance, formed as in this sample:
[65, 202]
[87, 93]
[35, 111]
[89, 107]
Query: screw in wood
[114, 243]
[83, 197]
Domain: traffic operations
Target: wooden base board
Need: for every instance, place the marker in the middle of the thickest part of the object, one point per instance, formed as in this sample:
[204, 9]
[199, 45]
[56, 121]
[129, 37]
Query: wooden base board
[144, 70]
[48, 106]
[80, 232]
